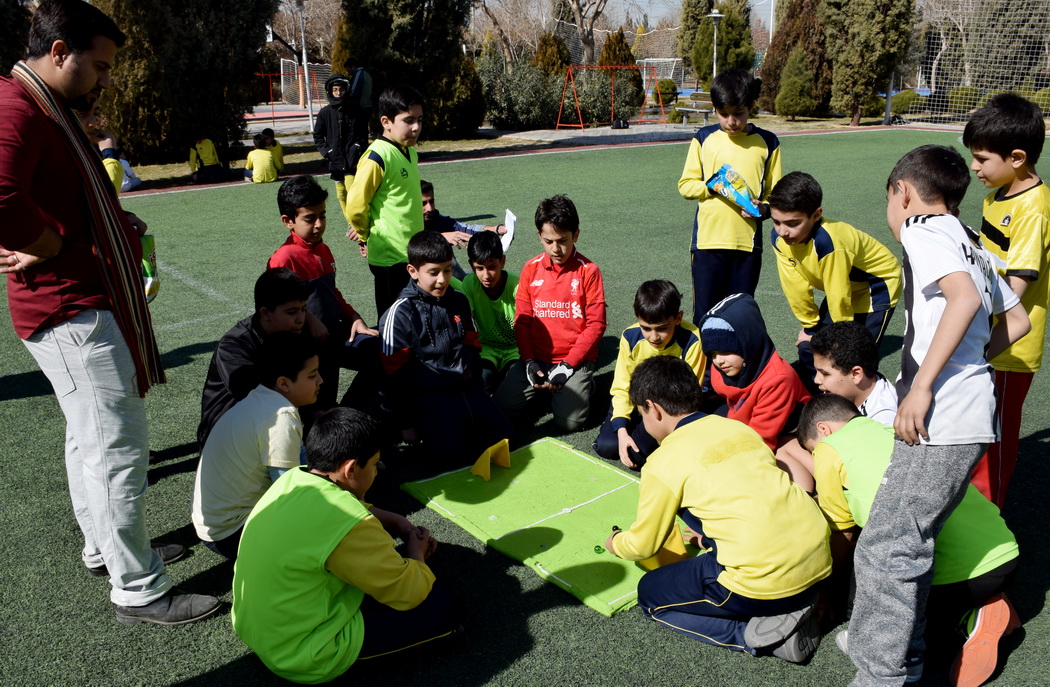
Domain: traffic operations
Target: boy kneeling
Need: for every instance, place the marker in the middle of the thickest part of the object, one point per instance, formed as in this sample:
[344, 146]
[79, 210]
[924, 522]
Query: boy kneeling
[318, 583]
[751, 589]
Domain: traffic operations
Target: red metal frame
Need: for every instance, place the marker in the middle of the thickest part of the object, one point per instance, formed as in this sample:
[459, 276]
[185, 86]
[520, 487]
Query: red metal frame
[570, 79]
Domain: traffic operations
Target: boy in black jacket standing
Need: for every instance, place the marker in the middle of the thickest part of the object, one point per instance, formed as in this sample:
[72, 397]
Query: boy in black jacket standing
[334, 135]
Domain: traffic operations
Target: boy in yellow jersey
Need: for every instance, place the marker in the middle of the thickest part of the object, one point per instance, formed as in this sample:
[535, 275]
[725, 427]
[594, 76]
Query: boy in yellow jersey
[860, 277]
[205, 167]
[384, 206]
[660, 331]
[1005, 138]
[260, 167]
[727, 245]
[275, 148]
[318, 583]
[975, 551]
[751, 589]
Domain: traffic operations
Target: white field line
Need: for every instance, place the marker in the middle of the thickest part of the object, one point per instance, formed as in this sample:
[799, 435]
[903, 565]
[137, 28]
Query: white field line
[565, 511]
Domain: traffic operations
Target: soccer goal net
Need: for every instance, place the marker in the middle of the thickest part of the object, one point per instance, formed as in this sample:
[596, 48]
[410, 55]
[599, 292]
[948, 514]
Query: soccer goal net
[294, 80]
[973, 49]
[655, 46]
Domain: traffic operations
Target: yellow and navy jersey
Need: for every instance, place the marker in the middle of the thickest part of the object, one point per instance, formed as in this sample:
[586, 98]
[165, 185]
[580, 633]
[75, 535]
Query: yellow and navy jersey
[684, 344]
[1016, 229]
[856, 273]
[277, 150]
[755, 155]
[203, 154]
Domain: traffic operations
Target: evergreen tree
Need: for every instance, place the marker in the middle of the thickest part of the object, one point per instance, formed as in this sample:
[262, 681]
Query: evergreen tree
[796, 87]
[693, 13]
[866, 39]
[341, 46]
[14, 32]
[617, 53]
[735, 49]
[552, 57]
[801, 28]
[404, 41]
[188, 68]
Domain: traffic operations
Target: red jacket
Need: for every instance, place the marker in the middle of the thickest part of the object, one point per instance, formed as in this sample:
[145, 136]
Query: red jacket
[314, 263]
[560, 310]
[767, 403]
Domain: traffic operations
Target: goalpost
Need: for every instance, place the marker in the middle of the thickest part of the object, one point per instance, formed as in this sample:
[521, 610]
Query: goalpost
[652, 110]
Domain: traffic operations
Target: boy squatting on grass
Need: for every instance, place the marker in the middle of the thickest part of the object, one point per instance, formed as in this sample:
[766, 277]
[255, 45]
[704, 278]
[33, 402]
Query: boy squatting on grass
[384, 206]
[752, 590]
[1005, 138]
[559, 322]
[491, 292]
[846, 358]
[946, 415]
[660, 330]
[350, 342]
[975, 552]
[727, 244]
[859, 276]
[318, 583]
[431, 355]
[254, 442]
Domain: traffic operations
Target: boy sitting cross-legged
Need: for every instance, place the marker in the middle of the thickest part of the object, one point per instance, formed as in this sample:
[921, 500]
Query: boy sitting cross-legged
[491, 291]
[975, 552]
[750, 590]
[860, 277]
[430, 353]
[660, 331]
[846, 358]
[254, 442]
[318, 583]
[560, 320]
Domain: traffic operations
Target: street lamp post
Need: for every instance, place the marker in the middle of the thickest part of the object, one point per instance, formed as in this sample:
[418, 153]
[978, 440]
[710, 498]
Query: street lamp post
[306, 68]
[715, 17]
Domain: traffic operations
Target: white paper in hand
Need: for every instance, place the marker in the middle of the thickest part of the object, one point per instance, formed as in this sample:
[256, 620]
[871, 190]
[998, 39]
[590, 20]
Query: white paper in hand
[508, 238]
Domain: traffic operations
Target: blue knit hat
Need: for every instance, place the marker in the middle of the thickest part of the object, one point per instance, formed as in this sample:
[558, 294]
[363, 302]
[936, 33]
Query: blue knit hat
[718, 335]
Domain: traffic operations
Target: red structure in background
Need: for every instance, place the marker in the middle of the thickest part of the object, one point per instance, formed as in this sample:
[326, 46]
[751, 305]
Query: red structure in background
[570, 80]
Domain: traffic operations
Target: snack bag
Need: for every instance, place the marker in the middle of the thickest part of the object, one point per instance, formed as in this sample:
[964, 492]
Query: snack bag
[150, 278]
[728, 183]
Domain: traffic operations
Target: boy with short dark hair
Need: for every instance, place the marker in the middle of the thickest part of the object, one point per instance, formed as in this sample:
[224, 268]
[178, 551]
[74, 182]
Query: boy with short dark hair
[430, 353]
[660, 330]
[860, 277]
[454, 231]
[846, 358]
[491, 290]
[275, 148]
[975, 551]
[946, 414]
[751, 591]
[318, 582]
[280, 306]
[205, 167]
[560, 320]
[255, 442]
[384, 206]
[1005, 138]
[351, 343]
[260, 167]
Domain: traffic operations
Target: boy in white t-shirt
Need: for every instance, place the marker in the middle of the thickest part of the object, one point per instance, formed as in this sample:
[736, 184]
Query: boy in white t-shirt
[945, 417]
[846, 359]
[254, 442]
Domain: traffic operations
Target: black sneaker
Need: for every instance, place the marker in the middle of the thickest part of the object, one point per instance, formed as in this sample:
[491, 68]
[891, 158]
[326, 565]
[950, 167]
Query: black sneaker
[169, 553]
[174, 608]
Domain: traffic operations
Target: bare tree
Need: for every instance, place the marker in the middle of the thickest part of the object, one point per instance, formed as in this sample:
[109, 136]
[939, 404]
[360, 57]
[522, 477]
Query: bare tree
[586, 13]
[321, 18]
[946, 17]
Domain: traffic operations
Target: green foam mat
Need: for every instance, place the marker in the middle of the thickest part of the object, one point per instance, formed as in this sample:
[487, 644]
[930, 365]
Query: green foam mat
[549, 510]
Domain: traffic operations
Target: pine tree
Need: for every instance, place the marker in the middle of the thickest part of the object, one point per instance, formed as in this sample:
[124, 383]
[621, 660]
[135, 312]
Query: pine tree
[404, 41]
[693, 13]
[341, 46]
[616, 53]
[801, 28]
[735, 50]
[552, 57]
[14, 32]
[796, 87]
[188, 68]
[866, 39]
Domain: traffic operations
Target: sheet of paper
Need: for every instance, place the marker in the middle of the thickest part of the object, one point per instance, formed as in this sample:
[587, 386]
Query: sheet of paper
[509, 221]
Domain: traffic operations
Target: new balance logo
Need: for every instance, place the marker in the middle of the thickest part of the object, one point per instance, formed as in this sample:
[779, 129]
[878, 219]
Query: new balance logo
[538, 282]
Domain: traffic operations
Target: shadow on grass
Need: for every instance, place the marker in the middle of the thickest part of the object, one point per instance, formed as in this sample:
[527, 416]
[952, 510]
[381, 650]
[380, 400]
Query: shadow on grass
[184, 355]
[24, 385]
[495, 635]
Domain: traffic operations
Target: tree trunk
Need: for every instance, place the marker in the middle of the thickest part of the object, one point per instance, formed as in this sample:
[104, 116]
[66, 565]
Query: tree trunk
[855, 119]
[501, 35]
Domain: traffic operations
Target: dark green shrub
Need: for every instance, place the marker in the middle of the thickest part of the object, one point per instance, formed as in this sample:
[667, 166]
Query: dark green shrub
[552, 57]
[963, 98]
[796, 87]
[456, 102]
[616, 53]
[1042, 99]
[668, 92]
[907, 101]
[875, 106]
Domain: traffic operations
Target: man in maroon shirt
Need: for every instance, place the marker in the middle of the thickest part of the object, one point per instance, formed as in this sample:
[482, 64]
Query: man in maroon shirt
[75, 309]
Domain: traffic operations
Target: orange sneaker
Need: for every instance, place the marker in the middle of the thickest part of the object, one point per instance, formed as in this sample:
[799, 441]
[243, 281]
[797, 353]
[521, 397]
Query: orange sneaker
[977, 660]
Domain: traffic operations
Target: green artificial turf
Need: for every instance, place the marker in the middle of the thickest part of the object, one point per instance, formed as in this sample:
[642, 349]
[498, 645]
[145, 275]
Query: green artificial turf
[57, 625]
